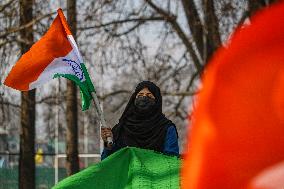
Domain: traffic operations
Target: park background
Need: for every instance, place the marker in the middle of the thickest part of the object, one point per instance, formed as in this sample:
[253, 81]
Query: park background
[122, 43]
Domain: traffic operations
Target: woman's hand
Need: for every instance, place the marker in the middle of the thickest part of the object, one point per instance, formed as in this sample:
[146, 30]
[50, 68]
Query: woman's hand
[105, 133]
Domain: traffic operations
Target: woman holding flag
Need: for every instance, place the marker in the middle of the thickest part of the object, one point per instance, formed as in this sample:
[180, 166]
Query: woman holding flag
[143, 124]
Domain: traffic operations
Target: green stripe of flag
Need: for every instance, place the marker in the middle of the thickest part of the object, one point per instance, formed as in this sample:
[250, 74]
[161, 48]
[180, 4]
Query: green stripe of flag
[86, 87]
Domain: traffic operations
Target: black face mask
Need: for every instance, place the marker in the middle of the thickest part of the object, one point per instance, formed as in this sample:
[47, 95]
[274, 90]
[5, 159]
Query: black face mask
[144, 103]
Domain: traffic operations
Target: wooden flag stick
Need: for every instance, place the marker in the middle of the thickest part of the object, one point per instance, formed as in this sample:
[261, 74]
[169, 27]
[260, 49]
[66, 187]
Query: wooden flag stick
[101, 115]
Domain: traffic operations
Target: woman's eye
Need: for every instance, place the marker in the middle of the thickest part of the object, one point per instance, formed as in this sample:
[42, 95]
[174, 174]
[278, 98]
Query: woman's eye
[151, 96]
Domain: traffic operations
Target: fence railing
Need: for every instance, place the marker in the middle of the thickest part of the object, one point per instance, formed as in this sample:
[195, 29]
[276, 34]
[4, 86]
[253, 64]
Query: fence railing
[49, 170]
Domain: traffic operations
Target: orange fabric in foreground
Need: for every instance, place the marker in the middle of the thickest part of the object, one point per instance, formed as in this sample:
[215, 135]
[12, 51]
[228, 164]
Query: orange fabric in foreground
[52, 45]
[238, 127]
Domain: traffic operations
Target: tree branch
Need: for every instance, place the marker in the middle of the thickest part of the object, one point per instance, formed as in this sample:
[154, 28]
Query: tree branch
[187, 88]
[103, 97]
[255, 5]
[141, 19]
[194, 24]
[3, 34]
[10, 104]
[170, 18]
[6, 5]
[129, 30]
[213, 39]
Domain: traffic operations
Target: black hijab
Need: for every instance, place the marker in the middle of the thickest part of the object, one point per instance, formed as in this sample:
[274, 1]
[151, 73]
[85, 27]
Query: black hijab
[143, 130]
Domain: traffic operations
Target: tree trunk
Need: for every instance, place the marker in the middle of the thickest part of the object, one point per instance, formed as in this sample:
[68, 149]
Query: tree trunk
[72, 161]
[27, 135]
[272, 1]
[194, 24]
[255, 5]
[213, 40]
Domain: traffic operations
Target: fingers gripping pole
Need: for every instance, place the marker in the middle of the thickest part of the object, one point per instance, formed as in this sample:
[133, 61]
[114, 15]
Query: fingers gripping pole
[101, 115]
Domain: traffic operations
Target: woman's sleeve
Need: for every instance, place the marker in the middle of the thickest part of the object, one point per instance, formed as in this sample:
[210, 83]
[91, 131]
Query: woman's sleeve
[171, 143]
[106, 152]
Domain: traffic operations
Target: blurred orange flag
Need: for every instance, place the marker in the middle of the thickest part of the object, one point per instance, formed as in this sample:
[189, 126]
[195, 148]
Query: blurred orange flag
[237, 135]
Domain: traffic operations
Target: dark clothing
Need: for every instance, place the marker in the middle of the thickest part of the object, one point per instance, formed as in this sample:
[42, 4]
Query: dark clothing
[170, 146]
[143, 127]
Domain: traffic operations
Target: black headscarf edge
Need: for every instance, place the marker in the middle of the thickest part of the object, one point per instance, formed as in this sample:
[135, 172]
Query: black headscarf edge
[156, 92]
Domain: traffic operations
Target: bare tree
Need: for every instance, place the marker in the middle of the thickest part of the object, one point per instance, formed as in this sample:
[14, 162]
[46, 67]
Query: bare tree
[188, 32]
[27, 135]
[124, 42]
[72, 161]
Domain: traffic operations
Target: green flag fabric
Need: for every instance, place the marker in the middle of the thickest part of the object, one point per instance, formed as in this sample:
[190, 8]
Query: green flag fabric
[86, 87]
[126, 169]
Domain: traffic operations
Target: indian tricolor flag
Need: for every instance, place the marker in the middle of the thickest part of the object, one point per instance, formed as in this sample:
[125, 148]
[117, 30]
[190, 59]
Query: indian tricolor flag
[55, 54]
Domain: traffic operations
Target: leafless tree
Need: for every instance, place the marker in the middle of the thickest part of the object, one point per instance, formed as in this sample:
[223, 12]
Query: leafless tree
[72, 161]
[27, 133]
[124, 42]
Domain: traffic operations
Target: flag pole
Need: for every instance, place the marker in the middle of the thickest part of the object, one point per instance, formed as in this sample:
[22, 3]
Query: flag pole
[101, 115]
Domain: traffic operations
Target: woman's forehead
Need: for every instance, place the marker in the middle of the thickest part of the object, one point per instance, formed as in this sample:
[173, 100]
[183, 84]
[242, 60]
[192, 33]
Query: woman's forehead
[145, 90]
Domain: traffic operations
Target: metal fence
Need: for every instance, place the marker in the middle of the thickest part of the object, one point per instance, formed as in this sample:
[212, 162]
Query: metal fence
[50, 169]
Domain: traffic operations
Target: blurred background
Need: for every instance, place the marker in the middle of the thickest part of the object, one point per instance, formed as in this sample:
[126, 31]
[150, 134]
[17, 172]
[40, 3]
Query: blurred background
[122, 43]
